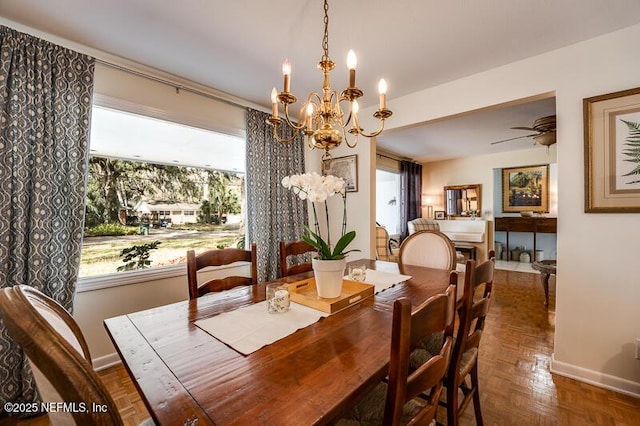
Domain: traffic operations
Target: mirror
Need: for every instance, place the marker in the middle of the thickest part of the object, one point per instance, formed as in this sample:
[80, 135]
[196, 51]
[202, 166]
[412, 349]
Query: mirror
[462, 200]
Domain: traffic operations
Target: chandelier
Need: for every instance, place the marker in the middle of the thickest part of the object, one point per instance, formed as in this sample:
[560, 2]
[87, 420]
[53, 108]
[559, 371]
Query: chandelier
[321, 117]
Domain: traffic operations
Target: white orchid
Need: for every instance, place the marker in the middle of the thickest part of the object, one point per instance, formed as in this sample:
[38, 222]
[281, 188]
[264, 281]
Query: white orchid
[317, 189]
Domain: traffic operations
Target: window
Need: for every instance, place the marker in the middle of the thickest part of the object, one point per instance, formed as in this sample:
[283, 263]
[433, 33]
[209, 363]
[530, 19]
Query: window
[388, 201]
[158, 188]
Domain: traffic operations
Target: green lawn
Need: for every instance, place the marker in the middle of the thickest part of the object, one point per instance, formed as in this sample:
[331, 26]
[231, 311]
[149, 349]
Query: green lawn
[101, 255]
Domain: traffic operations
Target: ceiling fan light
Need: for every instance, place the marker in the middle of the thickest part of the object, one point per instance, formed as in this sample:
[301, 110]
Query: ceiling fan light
[545, 139]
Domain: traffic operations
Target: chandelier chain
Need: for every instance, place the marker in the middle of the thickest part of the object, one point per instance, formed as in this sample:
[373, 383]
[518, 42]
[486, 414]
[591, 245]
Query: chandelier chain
[325, 39]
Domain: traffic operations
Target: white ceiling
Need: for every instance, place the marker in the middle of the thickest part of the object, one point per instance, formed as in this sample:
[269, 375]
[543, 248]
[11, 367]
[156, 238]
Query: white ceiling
[237, 47]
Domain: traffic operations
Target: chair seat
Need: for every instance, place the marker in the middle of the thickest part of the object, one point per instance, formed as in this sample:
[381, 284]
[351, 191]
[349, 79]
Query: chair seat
[370, 410]
[468, 361]
[425, 351]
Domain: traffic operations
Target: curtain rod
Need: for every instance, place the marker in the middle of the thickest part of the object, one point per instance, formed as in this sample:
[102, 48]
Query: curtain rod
[166, 82]
[390, 157]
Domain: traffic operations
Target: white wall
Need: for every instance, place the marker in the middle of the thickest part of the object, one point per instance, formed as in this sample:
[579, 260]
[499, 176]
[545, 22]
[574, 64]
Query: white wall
[598, 289]
[360, 204]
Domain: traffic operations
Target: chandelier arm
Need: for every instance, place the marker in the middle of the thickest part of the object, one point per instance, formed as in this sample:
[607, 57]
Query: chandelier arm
[356, 128]
[373, 134]
[293, 125]
[351, 113]
[282, 138]
[346, 137]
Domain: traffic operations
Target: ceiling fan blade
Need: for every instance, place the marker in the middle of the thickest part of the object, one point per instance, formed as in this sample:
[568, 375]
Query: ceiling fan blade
[512, 139]
[531, 129]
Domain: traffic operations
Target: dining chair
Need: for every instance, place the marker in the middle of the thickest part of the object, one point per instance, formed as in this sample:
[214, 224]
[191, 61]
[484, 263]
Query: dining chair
[422, 224]
[383, 249]
[58, 354]
[472, 311]
[429, 248]
[219, 257]
[411, 396]
[294, 249]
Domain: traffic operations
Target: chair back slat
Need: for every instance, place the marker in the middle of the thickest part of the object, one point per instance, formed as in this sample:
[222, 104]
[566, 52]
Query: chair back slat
[220, 258]
[294, 249]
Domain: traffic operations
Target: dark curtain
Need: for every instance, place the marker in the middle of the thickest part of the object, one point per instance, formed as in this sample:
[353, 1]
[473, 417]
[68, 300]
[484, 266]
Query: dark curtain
[45, 107]
[410, 194]
[274, 213]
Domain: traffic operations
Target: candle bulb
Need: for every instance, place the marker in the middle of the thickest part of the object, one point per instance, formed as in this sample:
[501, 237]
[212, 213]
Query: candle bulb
[309, 116]
[355, 107]
[382, 90]
[286, 71]
[352, 61]
[274, 103]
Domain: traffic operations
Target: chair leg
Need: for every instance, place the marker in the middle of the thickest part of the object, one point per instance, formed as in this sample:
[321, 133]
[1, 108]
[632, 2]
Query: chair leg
[452, 404]
[476, 395]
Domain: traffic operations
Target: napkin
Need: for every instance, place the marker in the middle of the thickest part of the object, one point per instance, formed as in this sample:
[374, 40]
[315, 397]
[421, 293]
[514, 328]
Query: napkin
[250, 328]
[382, 280]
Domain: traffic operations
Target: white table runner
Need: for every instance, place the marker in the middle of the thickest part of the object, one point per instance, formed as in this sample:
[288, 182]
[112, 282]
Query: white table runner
[382, 280]
[249, 328]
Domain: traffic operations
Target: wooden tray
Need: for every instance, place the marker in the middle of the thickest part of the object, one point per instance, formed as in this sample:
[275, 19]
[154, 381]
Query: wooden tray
[304, 292]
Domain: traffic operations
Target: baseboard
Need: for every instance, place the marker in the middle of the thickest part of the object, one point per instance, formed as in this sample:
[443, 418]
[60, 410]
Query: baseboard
[106, 361]
[595, 378]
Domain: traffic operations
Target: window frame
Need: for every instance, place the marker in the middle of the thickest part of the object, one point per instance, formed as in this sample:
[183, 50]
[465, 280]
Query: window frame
[116, 279]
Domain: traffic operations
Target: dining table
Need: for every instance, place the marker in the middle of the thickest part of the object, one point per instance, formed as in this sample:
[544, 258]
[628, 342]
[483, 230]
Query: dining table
[312, 376]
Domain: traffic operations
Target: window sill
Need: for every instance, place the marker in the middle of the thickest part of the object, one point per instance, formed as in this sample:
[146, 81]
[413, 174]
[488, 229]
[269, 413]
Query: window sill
[98, 282]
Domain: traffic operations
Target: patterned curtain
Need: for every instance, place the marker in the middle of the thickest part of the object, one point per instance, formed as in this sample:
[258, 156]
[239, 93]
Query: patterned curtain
[274, 213]
[45, 107]
[410, 194]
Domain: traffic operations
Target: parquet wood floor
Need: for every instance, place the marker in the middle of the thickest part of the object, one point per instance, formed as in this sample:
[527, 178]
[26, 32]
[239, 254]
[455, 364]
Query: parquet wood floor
[516, 386]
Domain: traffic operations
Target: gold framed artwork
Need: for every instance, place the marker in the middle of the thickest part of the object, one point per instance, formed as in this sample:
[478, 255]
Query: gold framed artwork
[344, 167]
[612, 152]
[525, 189]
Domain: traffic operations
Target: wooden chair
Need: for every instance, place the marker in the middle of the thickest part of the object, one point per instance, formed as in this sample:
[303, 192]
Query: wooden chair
[294, 248]
[219, 258]
[472, 312]
[411, 397]
[430, 248]
[55, 345]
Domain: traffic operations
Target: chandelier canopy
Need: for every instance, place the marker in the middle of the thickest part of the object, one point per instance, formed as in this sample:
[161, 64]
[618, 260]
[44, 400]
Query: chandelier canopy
[321, 117]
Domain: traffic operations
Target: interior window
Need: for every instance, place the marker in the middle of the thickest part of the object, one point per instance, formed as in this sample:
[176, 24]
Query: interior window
[157, 189]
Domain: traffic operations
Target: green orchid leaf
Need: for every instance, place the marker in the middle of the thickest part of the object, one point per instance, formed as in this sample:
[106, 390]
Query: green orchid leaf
[342, 244]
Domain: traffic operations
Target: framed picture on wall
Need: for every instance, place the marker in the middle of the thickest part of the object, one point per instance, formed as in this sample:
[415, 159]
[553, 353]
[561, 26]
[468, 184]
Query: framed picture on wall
[525, 189]
[439, 215]
[612, 152]
[344, 167]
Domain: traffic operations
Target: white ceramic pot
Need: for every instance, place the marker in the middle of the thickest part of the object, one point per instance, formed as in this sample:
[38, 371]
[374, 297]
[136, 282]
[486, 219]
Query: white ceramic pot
[328, 274]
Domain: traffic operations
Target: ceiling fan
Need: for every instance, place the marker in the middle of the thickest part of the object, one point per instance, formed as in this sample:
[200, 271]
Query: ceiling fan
[545, 129]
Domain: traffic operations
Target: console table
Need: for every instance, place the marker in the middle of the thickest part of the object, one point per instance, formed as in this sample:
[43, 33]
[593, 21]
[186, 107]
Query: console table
[534, 225]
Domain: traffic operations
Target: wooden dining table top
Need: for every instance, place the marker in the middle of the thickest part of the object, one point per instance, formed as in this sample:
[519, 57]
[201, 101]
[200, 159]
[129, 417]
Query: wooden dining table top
[186, 376]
